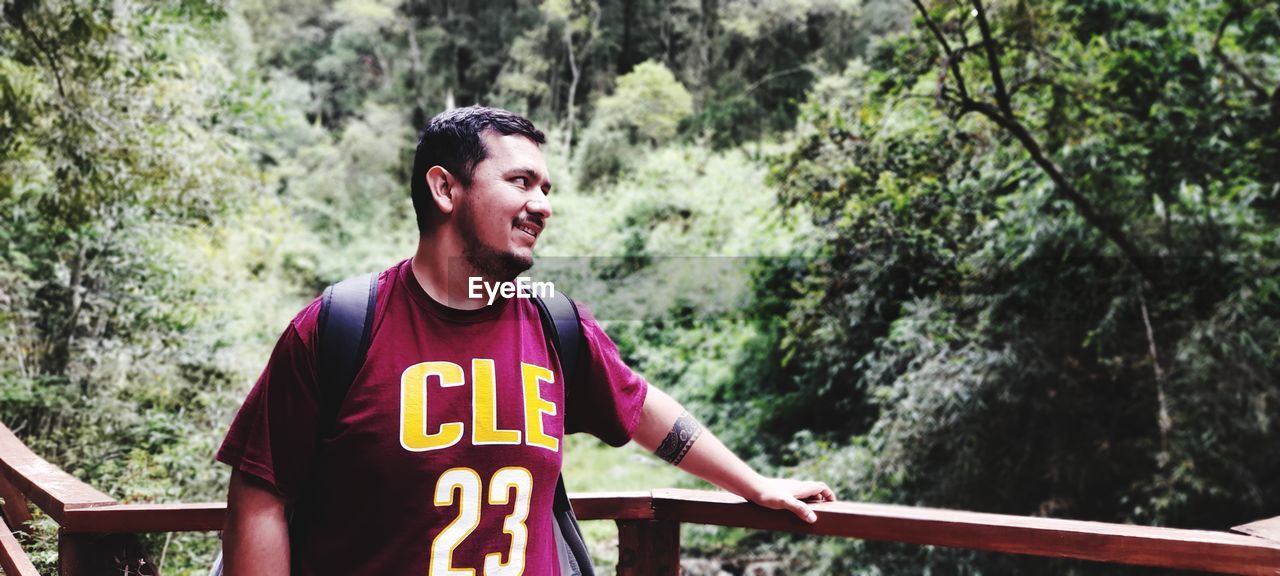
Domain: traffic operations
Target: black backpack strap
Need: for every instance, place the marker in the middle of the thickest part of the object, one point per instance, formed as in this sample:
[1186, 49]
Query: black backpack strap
[575, 560]
[561, 323]
[345, 326]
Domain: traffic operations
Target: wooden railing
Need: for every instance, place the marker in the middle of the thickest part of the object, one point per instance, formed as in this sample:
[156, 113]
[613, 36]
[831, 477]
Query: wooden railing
[97, 535]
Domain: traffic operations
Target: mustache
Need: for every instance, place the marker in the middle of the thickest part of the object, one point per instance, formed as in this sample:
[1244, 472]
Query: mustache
[533, 219]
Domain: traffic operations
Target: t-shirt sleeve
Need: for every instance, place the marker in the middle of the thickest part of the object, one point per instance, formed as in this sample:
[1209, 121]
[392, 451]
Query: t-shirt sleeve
[606, 396]
[274, 435]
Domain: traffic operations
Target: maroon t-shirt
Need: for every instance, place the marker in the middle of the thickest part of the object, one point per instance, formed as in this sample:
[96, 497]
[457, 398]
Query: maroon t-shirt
[447, 447]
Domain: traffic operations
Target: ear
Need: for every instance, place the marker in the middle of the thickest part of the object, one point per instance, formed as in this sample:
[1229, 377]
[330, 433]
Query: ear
[444, 189]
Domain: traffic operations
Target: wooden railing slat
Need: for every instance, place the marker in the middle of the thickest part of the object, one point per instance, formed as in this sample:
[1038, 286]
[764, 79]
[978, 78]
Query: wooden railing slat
[12, 559]
[44, 484]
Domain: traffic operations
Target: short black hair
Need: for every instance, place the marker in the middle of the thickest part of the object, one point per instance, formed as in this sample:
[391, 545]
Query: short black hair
[452, 141]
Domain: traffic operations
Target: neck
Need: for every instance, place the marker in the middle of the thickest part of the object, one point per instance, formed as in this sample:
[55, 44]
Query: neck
[440, 269]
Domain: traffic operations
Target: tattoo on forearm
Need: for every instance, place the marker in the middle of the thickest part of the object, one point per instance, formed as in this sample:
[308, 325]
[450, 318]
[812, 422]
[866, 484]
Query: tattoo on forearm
[681, 438]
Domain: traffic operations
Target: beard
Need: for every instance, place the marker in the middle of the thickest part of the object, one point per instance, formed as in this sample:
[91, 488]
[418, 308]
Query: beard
[486, 260]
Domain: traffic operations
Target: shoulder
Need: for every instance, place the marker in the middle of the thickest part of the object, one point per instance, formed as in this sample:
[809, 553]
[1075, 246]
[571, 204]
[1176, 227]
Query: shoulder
[586, 317]
[594, 336]
[561, 307]
[306, 324]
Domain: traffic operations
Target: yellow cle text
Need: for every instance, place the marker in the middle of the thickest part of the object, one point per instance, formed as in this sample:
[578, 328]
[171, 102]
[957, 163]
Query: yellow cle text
[418, 435]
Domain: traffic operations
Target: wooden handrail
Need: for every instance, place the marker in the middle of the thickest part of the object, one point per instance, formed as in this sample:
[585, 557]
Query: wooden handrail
[1115, 543]
[1269, 529]
[136, 518]
[44, 484]
[649, 524]
[208, 516]
[1052, 537]
[612, 505]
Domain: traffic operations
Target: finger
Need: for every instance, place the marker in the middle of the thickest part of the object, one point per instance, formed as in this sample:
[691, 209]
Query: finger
[801, 510]
[821, 492]
[815, 490]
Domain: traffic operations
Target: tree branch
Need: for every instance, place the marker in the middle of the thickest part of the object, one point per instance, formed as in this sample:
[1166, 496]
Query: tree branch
[952, 59]
[1260, 94]
[1003, 116]
[1163, 420]
[770, 76]
[17, 20]
[1104, 223]
[993, 60]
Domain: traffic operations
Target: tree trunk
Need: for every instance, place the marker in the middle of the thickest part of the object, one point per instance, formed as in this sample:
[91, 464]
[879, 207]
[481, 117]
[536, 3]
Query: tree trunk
[573, 89]
[625, 58]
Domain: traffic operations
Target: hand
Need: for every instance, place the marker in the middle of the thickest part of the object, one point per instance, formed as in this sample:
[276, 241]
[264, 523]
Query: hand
[785, 493]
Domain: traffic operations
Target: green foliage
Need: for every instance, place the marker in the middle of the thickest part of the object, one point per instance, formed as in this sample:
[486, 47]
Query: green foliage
[648, 102]
[120, 159]
[996, 343]
[122, 149]
[646, 108]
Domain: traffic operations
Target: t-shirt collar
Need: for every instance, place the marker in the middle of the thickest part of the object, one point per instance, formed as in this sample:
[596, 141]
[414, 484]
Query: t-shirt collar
[442, 311]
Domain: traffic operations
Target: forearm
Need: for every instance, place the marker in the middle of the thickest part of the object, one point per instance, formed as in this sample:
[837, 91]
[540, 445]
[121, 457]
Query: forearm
[707, 457]
[675, 436]
[255, 539]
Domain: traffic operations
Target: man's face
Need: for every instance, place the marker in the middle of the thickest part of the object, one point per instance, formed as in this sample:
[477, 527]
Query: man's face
[502, 213]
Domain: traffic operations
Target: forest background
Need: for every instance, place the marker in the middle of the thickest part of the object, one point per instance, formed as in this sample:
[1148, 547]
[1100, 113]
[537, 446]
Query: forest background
[1006, 255]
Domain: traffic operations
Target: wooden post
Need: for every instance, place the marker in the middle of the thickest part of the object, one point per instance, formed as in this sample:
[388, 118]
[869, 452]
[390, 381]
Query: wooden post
[648, 548]
[15, 511]
[96, 554]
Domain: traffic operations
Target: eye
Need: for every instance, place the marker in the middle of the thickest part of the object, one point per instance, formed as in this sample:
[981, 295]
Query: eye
[521, 181]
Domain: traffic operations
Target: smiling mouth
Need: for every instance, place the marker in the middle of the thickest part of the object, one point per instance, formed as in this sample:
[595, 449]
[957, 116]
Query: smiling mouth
[530, 227]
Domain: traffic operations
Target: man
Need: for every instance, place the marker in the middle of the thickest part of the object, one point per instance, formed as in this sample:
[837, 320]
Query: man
[446, 449]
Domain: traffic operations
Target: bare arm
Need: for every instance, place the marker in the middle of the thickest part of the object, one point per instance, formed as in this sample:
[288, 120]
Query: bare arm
[667, 429]
[255, 539]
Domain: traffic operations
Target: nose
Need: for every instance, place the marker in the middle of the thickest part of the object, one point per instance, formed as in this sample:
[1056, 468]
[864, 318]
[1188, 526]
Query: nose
[540, 206]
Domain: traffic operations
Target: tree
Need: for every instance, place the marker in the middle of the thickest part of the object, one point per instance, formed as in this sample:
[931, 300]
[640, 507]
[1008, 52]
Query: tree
[648, 102]
[645, 109]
